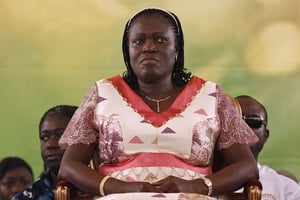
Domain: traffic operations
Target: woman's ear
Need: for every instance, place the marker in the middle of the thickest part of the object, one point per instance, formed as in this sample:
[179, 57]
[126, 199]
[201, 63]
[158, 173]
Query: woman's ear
[176, 52]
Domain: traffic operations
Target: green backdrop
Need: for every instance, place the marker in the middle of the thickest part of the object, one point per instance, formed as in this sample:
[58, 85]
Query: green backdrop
[51, 51]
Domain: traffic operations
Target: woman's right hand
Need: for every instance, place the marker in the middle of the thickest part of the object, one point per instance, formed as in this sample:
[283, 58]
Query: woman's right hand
[118, 186]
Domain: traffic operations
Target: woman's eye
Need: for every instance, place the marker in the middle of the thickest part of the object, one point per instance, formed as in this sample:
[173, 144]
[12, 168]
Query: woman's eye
[44, 138]
[59, 133]
[138, 41]
[161, 39]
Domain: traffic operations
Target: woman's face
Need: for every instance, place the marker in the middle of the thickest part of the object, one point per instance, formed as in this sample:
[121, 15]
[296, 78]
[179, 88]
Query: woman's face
[52, 129]
[152, 48]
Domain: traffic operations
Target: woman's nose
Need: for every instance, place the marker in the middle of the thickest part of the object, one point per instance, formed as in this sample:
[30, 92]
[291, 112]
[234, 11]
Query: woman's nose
[149, 45]
[53, 141]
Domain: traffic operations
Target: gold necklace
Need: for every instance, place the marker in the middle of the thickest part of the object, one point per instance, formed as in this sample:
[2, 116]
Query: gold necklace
[158, 100]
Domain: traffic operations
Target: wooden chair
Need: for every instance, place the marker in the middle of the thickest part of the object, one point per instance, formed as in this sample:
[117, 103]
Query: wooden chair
[252, 191]
[66, 191]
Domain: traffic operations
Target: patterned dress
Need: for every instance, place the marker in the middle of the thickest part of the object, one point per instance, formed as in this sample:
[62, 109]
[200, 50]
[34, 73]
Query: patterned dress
[138, 144]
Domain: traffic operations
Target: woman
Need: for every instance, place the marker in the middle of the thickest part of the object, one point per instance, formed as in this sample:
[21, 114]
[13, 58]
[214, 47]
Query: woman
[51, 127]
[156, 128]
[15, 175]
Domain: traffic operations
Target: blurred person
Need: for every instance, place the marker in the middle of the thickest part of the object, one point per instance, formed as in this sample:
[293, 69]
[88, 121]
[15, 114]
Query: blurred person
[156, 127]
[15, 175]
[51, 127]
[288, 174]
[275, 186]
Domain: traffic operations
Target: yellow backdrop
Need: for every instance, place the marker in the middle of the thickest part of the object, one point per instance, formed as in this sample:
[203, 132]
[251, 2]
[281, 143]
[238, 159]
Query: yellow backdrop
[51, 51]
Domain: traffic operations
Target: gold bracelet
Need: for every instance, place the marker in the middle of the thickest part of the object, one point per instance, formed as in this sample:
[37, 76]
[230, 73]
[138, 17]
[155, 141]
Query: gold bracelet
[101, 185]
[208, 184]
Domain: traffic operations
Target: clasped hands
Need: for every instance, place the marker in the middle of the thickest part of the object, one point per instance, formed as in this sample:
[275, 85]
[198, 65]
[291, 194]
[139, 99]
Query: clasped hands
[170, 184]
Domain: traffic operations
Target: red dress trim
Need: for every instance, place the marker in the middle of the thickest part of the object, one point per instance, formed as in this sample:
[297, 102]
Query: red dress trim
[153, 160]
[158, 119]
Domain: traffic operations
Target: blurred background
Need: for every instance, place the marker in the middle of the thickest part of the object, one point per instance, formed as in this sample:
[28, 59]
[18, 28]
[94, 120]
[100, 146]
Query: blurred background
[51, 51]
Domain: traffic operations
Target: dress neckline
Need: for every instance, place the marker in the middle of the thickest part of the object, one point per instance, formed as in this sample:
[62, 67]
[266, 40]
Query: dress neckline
[180, 103]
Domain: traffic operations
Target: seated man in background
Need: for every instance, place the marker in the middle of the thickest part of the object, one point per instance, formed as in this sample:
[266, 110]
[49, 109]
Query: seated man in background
[288, 174]
[15, 175]
[275, 186]
[51, 127]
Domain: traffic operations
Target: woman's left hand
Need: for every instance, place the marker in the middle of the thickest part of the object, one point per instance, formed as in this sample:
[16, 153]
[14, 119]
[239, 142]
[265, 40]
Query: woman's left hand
[172, 184]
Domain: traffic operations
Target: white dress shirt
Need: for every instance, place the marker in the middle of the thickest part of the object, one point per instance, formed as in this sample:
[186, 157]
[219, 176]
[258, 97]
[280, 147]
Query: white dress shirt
[276, 186]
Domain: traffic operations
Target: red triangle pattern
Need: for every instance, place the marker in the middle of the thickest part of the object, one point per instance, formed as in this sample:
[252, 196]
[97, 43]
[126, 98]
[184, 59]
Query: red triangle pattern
[201, 112]
[136, 140]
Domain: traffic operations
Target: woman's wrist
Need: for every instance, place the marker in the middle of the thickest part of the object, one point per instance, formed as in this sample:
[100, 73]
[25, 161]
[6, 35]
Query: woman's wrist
[207, 182]
[102, 185]
[202, 186]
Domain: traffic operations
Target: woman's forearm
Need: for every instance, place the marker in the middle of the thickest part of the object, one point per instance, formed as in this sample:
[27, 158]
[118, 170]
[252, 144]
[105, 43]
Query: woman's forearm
[74, 168]
[234, 176]
[81, 176]
[240, 167]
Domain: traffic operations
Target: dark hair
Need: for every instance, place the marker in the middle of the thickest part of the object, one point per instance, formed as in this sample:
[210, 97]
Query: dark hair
[180, 76]
[10, 163]
[65, 111]
[262, 106]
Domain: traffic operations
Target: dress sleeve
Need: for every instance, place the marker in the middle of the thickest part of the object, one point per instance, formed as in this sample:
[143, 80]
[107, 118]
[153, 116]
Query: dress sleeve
[81, 128]
[233, 128]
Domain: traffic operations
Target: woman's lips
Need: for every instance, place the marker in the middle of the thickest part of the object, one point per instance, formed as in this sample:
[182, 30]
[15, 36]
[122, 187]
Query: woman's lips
[54, 157]
[149, 61]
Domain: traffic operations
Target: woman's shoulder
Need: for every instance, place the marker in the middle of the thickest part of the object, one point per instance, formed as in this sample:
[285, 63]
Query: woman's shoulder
[201, 80]
[110, 78]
